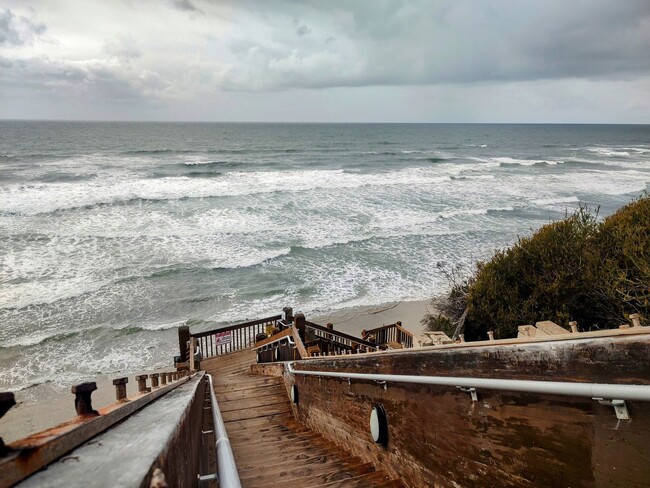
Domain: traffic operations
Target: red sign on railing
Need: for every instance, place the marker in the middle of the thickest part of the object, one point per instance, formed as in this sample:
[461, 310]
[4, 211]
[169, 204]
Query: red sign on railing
[222, 338]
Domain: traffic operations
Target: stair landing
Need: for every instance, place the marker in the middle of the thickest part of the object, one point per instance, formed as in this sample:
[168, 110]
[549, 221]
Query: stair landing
[270, 447]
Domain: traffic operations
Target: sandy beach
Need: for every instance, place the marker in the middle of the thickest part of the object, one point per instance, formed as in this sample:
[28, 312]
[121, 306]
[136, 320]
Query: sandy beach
[43, 406]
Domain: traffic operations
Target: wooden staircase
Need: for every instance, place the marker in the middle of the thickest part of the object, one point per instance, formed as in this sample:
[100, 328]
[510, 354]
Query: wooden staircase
[270, 447]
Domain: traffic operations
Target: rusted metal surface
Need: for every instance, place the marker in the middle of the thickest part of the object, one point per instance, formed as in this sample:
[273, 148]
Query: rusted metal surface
[438, 436]
[82, 401]
[30, 454]
[120, 389]
[163, 435]
[142, 383]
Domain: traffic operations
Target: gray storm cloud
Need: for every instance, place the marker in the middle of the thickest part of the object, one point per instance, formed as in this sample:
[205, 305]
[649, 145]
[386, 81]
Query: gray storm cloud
[199, 51]
[18, 30]
[395, 43]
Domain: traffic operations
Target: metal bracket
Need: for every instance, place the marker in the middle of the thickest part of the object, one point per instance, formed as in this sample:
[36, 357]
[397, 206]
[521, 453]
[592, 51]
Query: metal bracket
[382, 384]
[471, 391]
[348, 380]
[207, 431]
[207, 478]
[620, 407]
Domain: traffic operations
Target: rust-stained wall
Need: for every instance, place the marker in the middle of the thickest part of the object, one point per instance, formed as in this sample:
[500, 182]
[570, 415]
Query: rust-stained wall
[439, 437]
[179, 458]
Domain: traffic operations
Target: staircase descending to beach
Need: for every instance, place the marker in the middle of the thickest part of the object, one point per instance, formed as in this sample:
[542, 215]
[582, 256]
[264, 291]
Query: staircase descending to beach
[269, 446]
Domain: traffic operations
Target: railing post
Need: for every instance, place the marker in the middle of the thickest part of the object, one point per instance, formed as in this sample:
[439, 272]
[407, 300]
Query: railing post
[191, 353]
[183, 337]
[82, 401]
[120, 388]
[300, 324]
[288, 315]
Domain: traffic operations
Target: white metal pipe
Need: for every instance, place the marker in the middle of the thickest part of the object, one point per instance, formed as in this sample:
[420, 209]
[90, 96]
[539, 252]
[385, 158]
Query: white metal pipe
[226, 467]
[589, 390]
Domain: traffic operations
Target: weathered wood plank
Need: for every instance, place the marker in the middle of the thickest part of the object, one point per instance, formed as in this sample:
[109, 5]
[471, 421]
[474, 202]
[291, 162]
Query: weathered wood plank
[308, 474]
[259, 421]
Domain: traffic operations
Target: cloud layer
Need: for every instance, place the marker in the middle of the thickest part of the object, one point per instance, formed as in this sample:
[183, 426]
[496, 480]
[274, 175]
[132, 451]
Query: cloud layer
[169, 57]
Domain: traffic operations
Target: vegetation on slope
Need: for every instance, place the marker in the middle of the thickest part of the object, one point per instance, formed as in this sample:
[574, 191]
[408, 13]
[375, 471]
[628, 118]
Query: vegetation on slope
[579, 269]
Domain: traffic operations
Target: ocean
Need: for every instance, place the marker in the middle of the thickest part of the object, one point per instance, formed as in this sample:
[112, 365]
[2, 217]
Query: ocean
[114, 234]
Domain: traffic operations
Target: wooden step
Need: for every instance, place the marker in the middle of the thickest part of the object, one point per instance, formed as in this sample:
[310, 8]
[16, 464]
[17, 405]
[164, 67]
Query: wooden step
[292, 460]
[270, 447]
[370, 480]
[307, 474]
[262, 401]
[256, 412]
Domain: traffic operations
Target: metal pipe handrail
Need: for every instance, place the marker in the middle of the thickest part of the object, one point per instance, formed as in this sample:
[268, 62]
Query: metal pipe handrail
[226, 466]
[589, 390]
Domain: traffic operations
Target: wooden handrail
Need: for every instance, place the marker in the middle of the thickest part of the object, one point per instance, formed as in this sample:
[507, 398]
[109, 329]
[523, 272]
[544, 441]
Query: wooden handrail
[407, 332]
[340, 334]
[390, 326]
[273, 338]
[299, 344]
[238, 326]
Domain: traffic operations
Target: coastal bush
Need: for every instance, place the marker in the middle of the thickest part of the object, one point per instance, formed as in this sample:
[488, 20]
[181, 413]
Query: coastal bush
[441, 322]
[623, 244]
[573, 269]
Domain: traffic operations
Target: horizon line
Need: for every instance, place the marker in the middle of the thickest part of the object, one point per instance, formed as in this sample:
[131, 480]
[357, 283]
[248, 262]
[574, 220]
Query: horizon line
[170, 121]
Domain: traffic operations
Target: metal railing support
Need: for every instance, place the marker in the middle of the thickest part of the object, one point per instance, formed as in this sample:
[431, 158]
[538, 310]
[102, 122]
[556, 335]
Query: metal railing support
[615, 393]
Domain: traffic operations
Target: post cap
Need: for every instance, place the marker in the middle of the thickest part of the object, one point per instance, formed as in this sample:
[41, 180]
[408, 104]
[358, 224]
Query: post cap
[142, 377]
[121, 381]
[154, 375]
[84, 387]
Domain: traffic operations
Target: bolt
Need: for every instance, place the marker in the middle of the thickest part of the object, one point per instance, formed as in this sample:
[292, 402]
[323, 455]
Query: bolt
[491, 335]
[120, 389]
[154, 379]
[574, 326]
[636, 319]
[142, 383]
[163, 378]
[461, 337]
[82, 400]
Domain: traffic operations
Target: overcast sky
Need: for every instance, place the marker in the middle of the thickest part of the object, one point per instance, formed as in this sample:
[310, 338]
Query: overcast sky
[347, 61]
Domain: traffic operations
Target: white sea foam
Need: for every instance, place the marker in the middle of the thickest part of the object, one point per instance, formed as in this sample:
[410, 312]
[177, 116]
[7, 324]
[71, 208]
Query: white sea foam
[49, 197]
[556, 200]
[526, 162]
[608, 151]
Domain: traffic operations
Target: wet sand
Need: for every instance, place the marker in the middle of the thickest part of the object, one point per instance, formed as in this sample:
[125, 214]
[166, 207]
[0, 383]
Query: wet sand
[47, 405]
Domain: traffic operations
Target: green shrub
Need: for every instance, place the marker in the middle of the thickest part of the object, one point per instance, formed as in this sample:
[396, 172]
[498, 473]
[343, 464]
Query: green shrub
[574, 269]
[433, 322]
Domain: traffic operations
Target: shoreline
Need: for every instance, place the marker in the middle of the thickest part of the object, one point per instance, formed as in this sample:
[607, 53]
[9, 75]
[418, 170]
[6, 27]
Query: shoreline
[45, 405]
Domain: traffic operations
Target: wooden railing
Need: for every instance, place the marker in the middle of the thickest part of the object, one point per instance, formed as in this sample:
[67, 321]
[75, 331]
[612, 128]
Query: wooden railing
[330, 341]
[234, 337]
[391, 335]
[284, 346]
[288, 344]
